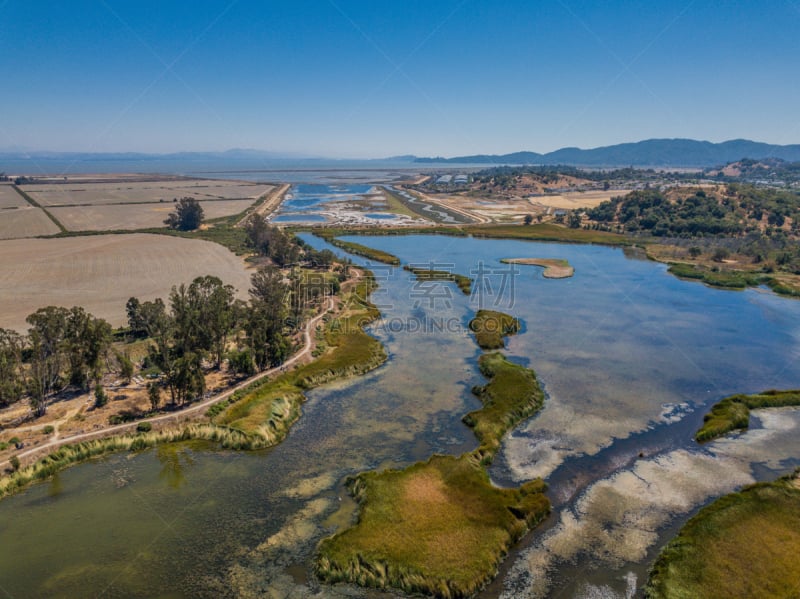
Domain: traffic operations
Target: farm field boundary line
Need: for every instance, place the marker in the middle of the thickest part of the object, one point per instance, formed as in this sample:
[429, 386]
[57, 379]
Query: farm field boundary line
[35, 204]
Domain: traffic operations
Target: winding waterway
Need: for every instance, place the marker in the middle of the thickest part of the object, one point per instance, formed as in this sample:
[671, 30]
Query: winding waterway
[629, 356]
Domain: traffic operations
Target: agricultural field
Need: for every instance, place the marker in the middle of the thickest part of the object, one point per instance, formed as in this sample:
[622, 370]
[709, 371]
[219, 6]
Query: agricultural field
[101, 272]
[9, 198]
[80, 194]
[27, 221]
[19, 219]
[135, 216]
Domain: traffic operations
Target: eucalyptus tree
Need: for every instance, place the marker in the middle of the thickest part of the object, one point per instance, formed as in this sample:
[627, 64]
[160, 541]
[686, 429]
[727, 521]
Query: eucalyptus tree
[265, 321]
[47, 340]
[12, 381]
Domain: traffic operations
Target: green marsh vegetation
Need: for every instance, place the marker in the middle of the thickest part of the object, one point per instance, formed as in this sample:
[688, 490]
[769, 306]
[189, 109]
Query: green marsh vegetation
[511, 395]
[491, 326]
[356, 248]
[733, 413]
[266, 411]
[743, 545]
[430, 274]
[441, 527]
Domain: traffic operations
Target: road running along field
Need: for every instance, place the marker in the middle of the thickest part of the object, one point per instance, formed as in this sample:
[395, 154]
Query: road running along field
[101, 272]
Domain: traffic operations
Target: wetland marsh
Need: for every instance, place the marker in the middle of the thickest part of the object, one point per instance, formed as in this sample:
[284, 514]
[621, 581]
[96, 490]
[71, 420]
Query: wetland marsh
[630, 359]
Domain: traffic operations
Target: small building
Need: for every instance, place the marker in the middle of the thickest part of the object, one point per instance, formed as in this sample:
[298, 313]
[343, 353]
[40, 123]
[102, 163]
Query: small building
[444, 180]
[461, 180]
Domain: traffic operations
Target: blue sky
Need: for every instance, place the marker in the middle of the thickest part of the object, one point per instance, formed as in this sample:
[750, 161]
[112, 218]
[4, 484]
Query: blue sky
[353, 78]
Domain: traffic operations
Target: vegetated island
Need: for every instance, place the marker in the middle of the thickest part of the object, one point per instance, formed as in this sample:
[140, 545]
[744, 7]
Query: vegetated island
[743, 545]
[431, 274]
[554, 268]
[733, 413]
[490, 327]
[441, 527]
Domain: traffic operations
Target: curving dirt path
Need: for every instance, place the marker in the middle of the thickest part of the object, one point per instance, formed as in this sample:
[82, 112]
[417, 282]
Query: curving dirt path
[54, 443]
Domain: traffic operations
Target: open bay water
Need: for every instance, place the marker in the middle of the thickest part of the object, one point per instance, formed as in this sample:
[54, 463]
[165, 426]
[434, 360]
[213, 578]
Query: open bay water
[630, 358]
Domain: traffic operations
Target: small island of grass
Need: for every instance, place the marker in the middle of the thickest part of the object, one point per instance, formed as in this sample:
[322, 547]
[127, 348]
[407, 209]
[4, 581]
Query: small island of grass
[743, 545]
[441, 527]
[429, 274]
[553, 268]
[490, 327]
[733, 413]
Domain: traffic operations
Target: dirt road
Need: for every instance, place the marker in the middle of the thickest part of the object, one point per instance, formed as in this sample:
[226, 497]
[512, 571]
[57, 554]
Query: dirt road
[31, 454]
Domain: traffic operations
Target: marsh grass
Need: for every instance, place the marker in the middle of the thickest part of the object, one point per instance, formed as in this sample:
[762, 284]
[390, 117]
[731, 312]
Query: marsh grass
[268, 408]
[330, 236]
[430, 274]
[511, 395]
[733, 413]
[547, 232]
[743, 545]
[491, 326]
[441, 527]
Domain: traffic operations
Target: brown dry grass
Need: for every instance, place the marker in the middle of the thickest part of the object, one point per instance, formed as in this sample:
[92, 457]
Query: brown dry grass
[101, 272]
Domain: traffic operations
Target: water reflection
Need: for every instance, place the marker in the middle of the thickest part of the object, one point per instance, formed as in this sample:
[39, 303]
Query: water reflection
[629, 356]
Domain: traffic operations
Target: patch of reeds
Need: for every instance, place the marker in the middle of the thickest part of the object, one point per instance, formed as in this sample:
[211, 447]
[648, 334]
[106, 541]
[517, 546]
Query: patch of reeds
[733, 413]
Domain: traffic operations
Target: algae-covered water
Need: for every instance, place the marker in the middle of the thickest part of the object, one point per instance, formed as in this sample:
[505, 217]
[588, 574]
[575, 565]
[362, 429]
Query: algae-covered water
[629, 356]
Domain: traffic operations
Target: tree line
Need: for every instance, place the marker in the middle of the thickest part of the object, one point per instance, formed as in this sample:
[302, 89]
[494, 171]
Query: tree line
[192, 332]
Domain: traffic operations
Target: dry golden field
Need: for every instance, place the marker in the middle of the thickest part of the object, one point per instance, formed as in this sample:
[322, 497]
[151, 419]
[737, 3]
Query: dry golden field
[26, 221]
[9, 198]
[135, 216]
[72, 194]
[101, 272]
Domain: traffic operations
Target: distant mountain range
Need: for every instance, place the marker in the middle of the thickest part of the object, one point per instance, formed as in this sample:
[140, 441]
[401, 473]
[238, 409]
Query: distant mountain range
[651, 152]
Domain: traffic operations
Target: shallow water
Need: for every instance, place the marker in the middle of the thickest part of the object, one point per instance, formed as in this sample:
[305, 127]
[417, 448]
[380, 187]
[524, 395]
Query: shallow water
[629, 357]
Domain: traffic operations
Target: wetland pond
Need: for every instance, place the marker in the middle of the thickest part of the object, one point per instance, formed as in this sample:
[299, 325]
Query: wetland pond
[630, 358]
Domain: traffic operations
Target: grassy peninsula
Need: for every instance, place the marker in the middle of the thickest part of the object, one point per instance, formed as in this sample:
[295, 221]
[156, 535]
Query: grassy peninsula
[733, 413]
[491, 326]
[511, 395]
[331, 236]
[743, 545]
[441, 527]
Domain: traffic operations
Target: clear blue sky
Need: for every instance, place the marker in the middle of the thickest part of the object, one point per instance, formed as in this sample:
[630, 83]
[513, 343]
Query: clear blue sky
[370, 78]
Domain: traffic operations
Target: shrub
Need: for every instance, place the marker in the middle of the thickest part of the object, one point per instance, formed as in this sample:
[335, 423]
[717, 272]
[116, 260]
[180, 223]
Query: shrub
[144, 427]
[14, 461]
[49, 429]
[13, 440]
